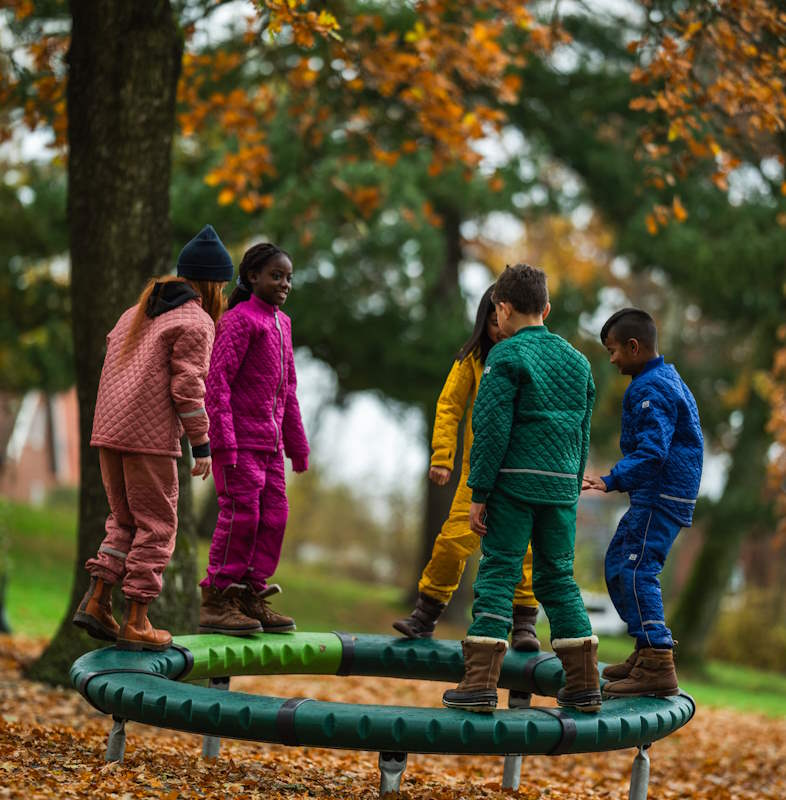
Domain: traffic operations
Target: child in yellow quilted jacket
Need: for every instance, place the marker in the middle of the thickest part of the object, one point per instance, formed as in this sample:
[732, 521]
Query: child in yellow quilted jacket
[456, 542]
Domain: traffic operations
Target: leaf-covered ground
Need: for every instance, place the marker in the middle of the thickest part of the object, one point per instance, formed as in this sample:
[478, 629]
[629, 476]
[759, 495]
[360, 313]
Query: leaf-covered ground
[52, 745]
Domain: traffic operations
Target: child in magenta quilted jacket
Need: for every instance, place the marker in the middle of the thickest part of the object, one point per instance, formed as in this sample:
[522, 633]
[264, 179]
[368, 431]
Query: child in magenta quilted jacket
[152, 388]
[254, 415]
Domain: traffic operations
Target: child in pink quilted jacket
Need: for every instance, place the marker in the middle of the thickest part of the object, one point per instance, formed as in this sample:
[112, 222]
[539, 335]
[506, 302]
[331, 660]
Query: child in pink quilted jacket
[254, 413]
[152, 387]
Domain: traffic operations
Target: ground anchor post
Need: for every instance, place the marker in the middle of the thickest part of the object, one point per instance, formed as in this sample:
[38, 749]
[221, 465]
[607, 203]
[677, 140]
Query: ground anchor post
[116, 743]
[211, 745]
[391, 768]
[640, 775]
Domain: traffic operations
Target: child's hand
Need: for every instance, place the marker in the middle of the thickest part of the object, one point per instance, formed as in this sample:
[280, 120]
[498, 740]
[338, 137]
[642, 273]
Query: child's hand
[477, 516]
[202, 467]
[440, 475]
[593, 482]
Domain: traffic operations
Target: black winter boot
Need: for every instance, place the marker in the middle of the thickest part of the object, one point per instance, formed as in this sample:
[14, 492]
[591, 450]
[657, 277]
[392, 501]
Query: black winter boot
[421, 622]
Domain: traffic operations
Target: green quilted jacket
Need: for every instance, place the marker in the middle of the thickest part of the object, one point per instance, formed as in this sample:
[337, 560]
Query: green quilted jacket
[531, 420]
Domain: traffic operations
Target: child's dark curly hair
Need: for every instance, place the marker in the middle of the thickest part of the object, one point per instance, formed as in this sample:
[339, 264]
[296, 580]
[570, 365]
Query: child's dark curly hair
[524, 287]
[254, 260]
[631, 323]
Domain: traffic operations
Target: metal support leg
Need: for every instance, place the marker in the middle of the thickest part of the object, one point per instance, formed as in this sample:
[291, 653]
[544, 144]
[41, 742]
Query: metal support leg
[212, 744]
[511, 774]
[391, 768]
[116, 743]
[640, 775]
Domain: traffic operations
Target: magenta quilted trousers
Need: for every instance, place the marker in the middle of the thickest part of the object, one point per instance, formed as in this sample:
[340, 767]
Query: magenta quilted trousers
[252, 516]
[142, 491]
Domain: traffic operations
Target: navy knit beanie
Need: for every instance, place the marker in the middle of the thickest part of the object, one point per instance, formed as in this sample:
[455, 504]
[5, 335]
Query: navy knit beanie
[205, 258]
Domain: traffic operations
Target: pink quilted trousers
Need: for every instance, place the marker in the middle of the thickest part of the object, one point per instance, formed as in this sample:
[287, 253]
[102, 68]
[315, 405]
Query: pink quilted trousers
[252, 516]
[142, 491]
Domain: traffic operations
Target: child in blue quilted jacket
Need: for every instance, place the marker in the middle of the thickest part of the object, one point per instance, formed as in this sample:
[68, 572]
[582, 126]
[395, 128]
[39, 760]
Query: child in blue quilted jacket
[662, 447]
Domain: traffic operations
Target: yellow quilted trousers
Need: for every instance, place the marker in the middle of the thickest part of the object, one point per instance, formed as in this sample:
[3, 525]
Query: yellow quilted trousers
[455, 543]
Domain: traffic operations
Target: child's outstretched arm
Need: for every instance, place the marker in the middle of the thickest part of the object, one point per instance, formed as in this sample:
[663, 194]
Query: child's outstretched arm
[451, 405]
[295, 441]
[492, 420]
[654, 418]
[188, 368]
[232, 340]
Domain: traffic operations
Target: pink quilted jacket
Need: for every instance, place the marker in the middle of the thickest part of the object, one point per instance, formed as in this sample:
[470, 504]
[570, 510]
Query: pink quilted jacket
[251, 384]
[148, 397]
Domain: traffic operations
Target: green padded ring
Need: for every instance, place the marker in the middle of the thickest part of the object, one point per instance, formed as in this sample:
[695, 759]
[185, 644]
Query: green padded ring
[147, 687]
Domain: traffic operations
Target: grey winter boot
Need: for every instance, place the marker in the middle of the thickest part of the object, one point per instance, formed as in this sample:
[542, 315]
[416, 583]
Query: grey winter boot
[421, 622]
[523, 637]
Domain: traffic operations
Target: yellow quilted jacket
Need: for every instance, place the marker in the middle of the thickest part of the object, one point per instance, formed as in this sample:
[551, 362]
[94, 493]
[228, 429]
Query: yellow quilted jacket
[460, 389]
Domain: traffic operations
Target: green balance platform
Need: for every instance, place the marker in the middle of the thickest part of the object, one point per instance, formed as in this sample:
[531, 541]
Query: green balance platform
[158, 689]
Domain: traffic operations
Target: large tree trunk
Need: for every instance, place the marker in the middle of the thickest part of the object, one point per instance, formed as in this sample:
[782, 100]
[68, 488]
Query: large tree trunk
[740, 509]
[439, 498]
[124, 64]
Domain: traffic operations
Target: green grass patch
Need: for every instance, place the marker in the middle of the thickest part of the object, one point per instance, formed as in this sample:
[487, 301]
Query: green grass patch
[40, 547]
[39, 552]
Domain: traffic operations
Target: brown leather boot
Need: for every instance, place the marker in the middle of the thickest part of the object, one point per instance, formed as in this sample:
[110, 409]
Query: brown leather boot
[616, 672]
[255, 605]
[523, 637]
[653, 675]
[477, 691]
[222, 612]
[95, 611]
[579, 659]
[421, 622]
[136, 632]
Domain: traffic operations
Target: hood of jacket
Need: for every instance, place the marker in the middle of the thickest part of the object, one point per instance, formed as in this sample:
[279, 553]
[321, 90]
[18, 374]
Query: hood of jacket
[169, 295]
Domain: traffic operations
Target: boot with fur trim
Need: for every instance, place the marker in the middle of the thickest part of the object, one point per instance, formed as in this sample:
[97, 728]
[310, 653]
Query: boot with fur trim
[94, 613]
[222, 612]
[255, 605]
[579, 659]
[421, 622]
[136, 632]
[653, 675]
[477, 691]
[523, 637]
[616, 672]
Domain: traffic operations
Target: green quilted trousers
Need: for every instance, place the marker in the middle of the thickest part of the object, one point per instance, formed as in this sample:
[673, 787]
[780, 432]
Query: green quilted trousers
[511, 524]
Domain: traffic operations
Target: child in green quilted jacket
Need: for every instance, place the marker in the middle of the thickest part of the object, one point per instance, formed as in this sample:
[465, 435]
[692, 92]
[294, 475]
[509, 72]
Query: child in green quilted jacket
[531, 425]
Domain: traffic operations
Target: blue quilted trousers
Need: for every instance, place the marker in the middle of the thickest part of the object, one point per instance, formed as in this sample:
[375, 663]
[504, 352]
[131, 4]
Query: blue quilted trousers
[511, 525]
[634, 561]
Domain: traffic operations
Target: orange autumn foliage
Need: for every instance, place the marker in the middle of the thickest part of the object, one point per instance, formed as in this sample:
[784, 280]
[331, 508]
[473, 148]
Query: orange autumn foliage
[713, 77]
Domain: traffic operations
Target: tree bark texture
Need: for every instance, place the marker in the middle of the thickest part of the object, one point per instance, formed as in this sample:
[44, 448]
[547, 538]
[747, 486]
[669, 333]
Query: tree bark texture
[124, 63]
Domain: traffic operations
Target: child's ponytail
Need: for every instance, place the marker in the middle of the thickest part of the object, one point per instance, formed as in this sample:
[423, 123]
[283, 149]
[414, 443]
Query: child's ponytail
[254, 260]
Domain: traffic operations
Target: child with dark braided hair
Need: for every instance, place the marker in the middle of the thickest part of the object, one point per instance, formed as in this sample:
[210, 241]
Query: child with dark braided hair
[254, 419]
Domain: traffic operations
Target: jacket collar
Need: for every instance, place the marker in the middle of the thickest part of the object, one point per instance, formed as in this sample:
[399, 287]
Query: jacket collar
[531, 330]
[650, 365]
[261, 305]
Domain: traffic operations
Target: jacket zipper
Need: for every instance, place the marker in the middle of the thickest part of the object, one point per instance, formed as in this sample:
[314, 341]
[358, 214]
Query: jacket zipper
[281, 380]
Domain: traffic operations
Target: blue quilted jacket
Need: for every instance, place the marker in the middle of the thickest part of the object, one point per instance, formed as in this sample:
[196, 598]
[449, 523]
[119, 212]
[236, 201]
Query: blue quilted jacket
[661, 442]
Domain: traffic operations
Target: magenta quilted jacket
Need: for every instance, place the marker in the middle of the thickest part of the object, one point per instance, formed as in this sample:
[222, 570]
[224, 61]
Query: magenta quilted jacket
[146, 398]
[251, 384]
